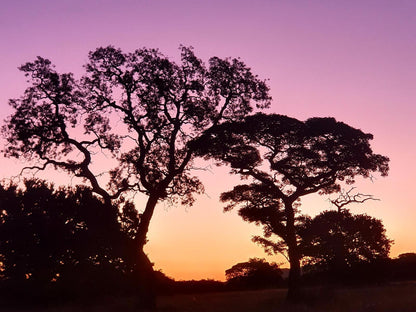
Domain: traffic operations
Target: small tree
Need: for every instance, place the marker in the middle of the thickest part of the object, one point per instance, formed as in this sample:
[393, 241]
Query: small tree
[286, 160]
[336, 241]
[256, 273]
[140, 108]
[404, 266]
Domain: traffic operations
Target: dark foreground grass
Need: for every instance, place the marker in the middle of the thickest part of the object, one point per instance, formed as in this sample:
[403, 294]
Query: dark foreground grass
[399, 297]
[392, 298]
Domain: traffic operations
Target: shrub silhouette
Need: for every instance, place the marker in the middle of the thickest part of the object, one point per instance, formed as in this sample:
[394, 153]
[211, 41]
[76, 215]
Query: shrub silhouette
[338, 240]
[60, 241]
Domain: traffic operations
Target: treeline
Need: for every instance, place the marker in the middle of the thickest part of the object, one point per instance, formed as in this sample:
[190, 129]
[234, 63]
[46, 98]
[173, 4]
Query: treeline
[400, 269]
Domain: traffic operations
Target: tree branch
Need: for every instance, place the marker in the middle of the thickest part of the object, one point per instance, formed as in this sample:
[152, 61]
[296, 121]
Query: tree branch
[346, 198]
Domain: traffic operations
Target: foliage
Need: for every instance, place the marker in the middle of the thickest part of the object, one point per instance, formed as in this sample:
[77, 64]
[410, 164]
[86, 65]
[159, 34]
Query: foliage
[286, 159]
[140, 108]
[256, 273]
[337, 240]
[53, 235]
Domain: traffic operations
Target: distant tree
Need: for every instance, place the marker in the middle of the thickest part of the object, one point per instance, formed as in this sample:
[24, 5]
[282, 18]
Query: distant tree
[404, 266]
[338, 240]
[407, 257]
[140, 108]
[287, 159]
[256, 273]
[59, 235]
[197, 286]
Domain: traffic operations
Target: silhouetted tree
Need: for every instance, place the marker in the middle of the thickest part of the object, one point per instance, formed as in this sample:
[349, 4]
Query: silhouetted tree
[61, 236]
[404, 266]
[256, 273]
[409, 257]
[337, 240]
[287, 159]
[141, 108]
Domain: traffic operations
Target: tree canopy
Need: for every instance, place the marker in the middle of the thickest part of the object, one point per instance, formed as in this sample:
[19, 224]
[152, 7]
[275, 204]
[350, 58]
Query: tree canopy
[141, 107]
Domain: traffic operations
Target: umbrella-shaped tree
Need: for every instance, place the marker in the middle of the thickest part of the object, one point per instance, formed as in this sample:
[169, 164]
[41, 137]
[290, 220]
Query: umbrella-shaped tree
[287, 159]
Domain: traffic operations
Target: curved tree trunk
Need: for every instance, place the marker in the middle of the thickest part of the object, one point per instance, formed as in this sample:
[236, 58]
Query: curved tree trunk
[143, 274]
[145, 281]
[144, 267]
[146, 216]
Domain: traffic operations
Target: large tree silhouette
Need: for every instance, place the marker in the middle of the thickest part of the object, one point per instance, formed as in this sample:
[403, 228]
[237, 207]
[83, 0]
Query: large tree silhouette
[287, 159]
[140, 108]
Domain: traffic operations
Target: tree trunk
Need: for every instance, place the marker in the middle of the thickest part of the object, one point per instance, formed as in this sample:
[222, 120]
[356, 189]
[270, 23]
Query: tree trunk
[144, 267]
[143, 273]
[146, 216]
[145, 279]
[340, 253]
[294, 290]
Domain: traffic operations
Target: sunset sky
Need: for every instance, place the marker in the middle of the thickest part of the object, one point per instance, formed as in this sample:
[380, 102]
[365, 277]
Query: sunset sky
[352, 60]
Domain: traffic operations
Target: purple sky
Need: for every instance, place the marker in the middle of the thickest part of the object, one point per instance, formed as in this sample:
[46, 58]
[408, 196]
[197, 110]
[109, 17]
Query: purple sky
[353, 60]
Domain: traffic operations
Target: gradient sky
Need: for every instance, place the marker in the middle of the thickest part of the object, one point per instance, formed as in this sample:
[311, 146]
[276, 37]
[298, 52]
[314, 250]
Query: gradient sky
[353, 60]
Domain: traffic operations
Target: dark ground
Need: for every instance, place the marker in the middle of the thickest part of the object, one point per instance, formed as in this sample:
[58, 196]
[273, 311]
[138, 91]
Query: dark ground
[394, 297]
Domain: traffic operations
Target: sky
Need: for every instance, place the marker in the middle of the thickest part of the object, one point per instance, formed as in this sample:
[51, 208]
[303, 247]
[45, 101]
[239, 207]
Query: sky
[352, 60]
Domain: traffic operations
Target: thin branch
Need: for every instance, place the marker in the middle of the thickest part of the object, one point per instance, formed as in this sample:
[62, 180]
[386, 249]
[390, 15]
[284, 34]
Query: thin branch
[346, 198]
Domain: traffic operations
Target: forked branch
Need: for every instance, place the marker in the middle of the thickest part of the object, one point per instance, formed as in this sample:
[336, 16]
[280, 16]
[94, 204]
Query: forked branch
[348, 197]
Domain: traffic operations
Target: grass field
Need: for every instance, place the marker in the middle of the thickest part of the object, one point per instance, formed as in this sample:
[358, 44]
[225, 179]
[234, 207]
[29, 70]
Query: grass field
[392, 298]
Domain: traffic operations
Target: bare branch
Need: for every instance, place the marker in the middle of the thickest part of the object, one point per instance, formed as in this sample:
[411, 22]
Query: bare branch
[347, 197]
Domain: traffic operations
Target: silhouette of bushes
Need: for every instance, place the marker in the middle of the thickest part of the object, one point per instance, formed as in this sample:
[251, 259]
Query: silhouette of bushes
[404, 267]
[60, 244]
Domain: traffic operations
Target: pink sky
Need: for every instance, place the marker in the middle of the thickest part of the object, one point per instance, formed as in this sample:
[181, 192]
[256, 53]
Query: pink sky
[353, 60]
